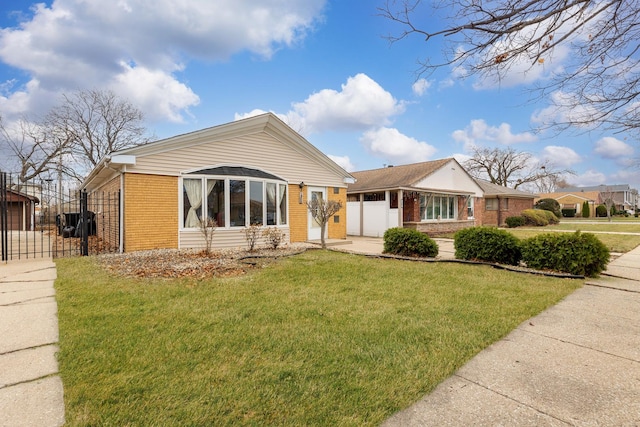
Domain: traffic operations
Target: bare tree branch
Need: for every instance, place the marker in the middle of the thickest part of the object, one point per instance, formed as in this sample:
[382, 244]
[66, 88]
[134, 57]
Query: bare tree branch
[510, 168]
[597, 84]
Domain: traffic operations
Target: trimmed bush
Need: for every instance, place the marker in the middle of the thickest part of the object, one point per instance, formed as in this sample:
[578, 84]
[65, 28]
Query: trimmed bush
[409, 242]
[586, 210]
[569, 212]
[487, 244]
[535, 217]
[576, 253]
[551, 217]
[514, 221]
[601, 211]
[549, 205]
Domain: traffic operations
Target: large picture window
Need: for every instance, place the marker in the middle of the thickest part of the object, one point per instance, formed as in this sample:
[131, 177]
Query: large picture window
[437, 206]
[233, 201]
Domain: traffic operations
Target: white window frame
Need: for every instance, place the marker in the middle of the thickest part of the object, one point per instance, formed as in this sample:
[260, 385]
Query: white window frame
[227, 202]
[444, 207]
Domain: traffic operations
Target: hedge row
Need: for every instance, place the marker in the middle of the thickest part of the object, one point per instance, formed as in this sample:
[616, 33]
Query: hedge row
[574, 253]
[534, 217]
[409, 242]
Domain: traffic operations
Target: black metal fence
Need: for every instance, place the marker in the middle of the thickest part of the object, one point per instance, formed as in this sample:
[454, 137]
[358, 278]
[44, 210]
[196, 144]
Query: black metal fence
[42, 218]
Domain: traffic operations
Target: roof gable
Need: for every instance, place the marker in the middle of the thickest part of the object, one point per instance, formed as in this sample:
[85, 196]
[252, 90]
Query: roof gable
[395, 176]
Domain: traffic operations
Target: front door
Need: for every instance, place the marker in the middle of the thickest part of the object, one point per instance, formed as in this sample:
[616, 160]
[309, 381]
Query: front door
[315, 193]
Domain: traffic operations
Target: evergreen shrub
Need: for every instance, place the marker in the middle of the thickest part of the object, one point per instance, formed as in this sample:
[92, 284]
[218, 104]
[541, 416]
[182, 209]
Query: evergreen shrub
[515, 221]
[549, 205]
[487, 244]
[576, 253]
[535, 217]
[409, 242]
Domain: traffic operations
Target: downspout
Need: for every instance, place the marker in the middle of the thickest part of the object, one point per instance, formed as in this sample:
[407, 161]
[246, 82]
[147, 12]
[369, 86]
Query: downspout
[401, 208]
[121, 201]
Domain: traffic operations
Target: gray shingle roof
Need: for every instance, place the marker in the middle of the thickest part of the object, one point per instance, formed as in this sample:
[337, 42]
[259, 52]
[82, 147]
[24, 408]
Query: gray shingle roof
[492, 190]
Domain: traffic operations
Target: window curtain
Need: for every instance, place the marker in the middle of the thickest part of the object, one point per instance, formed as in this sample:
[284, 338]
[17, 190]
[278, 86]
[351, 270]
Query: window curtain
[193, 188]
[282, 202]
[271, 203]
[210, 186]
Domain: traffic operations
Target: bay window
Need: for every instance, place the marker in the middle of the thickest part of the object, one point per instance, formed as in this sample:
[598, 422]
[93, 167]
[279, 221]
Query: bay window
[234, 201]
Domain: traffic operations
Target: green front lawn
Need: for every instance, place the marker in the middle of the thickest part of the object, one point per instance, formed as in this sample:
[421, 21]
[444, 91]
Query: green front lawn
[322, 338]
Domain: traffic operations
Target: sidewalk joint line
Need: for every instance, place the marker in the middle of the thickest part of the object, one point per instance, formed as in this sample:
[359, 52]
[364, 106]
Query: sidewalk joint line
[29, 348]
[56, 374]
[26, 301]
[580, 345]
[513, 400]
[596, 285]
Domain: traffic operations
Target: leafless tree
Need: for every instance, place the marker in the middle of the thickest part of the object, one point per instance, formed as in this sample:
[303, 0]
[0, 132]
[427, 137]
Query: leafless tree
[35, 146]
[607, 198]
[99, 122]
[75, 135]
[321, 211]
[511, 168]
[597, 84]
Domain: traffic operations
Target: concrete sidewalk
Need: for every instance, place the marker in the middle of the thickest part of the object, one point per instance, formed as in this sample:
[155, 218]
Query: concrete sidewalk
[575, 364]
[30, 388]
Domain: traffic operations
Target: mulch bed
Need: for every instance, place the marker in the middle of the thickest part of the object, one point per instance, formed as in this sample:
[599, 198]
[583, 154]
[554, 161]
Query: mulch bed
[173, 263]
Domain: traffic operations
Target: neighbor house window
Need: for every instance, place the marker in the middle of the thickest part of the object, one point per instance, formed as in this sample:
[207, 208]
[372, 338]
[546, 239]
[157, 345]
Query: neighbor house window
[491, 204]
[434, 207]
[470, 207]
[234, 201]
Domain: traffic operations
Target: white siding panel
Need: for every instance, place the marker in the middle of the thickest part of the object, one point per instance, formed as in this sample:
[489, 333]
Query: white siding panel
[222, 239]
[375, 218]
[259, 151]
[393, 219]
[353, 218]
[451, 177]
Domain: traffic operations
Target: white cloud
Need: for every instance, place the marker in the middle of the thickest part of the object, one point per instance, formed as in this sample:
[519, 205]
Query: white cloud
[360, 104]
[390, 144]
[344, 162]
[560, 156]
[152, 37]
[588, 178]
[564, 108]
[421, 86]
[612, 148]
[480, 131]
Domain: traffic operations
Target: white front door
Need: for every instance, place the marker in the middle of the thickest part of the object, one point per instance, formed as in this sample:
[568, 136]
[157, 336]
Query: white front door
[315, 193]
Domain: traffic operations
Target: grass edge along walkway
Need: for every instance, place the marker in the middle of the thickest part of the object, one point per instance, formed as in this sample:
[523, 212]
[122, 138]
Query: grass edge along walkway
[322, 338]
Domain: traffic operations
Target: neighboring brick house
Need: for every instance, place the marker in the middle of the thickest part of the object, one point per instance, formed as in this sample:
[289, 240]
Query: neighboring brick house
[499, 203]
[252, 171]
[434, 197]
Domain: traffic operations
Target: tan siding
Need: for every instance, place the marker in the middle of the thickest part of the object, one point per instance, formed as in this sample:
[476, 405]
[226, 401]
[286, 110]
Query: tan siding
[150, 212]
[231, 238]
[259, 151]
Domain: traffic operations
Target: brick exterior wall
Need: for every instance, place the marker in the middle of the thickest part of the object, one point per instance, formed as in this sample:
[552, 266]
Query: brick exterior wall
[490, 217]
[338, 230]
[150, 212]
[297, 214]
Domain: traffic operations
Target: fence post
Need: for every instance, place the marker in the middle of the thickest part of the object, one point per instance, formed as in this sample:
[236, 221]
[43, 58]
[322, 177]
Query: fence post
[4, 223]
[84, 232]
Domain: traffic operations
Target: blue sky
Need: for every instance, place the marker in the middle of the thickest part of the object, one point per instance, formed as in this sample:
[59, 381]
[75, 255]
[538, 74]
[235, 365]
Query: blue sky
[323, 66]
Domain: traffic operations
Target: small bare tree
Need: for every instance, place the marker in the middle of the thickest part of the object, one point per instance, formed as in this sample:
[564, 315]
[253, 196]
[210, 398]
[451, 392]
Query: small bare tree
[207, 228]
[273, 236]
[607, 198]
[251, 234]
[322, 211]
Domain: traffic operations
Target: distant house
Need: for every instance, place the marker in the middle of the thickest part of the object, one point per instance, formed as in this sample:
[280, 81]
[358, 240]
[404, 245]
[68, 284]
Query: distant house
[21, 210]
[499, 203]
[255, 171]
[624, 197]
